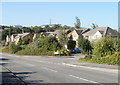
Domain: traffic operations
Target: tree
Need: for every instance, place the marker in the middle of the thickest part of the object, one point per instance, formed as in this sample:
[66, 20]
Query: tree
[94, 26]
[84, 44]
[46, 44]
[71, 44]
[63, 39]
[77, 23]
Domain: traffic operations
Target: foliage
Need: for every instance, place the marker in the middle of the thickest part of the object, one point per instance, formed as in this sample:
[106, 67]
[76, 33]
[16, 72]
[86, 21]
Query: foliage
[24, 41]
[14, 48]
[37, 51]
[2, 43]
[63, 39]
[109, 59]
[47, 43]
[63, 52]
[3, 34]
[106, 46]
[84, 44]
[94, 26]
[77, 23]
[71, 44]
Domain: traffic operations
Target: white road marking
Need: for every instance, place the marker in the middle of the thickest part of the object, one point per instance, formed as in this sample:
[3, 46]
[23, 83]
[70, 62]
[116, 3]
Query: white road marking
[94, 68]
[83, 79]
[50, 69]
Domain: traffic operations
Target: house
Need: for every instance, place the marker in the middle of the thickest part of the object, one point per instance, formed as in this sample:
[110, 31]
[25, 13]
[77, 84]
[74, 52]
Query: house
[77, 33]
[99, 32]
[56, 33]
[14, 38]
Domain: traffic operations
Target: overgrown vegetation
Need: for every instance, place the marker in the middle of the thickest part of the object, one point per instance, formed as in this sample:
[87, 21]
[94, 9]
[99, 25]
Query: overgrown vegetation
[85, 45]
[14, 48]
[71, 44]
[41, 46]
[105, 51]
[113, 59]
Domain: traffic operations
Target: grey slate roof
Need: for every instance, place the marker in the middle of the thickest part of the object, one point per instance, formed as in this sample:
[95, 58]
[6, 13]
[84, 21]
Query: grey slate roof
[20, 35]
[81, 31]
[105, 31]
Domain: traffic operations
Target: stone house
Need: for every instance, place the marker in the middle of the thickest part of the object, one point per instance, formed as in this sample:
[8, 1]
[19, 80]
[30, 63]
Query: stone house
[99, 32]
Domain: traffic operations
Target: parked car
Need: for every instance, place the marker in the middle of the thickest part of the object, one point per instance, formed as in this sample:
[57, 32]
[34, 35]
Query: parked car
[76, 50]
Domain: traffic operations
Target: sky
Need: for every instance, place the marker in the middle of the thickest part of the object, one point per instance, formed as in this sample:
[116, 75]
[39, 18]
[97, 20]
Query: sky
[40, 13]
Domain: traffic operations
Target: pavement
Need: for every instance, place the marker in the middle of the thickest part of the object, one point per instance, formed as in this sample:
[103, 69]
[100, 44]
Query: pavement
[45, 69]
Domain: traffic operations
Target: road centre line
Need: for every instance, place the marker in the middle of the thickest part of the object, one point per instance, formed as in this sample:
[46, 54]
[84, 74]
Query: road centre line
[83, 79]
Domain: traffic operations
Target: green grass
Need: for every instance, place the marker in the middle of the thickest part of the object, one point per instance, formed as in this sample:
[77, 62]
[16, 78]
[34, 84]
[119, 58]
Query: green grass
[109, 59]
[5, 50]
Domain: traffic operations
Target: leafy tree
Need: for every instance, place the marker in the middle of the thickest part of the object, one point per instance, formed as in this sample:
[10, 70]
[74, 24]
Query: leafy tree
[71, 44]
[84, 44]
[94, 26]
[47, 44]
[77, 23]
[28, 29]
[65, 27]
[24, 41]
[63, 39]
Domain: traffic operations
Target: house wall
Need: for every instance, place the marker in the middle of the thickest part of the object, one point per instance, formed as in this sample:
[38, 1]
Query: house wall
[75, 35]
[12, 38]
[95, 37]
[7, 39]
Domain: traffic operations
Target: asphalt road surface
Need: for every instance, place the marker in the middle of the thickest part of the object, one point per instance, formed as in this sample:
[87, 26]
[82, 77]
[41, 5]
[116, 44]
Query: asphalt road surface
[44, 69]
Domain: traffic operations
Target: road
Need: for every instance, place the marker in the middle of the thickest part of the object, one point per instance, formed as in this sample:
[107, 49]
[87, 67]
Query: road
[44, 69]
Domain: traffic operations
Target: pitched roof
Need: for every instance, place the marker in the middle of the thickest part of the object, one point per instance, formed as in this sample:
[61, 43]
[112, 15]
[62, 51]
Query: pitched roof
[105, 31]
[20, 35]
[81, 31]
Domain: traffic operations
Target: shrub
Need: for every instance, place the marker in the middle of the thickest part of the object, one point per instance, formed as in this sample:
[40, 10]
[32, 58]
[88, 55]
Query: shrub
[64, 52]
[84, 44]
[106, 46]
[88, 57]
[14, 48]
[47, 44]
[71, 44]
[111, 59]
[34, 52]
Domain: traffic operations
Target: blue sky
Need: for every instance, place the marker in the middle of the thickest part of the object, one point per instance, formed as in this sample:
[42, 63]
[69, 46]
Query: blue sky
[39, 13]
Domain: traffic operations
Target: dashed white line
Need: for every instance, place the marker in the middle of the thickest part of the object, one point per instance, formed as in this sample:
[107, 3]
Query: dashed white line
[83, 79]
[94, 68]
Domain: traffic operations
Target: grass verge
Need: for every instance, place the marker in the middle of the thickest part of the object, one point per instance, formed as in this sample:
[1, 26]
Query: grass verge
[110, 59]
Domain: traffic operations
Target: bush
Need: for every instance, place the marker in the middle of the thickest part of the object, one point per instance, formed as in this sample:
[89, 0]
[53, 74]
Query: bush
[111, 59]
[47, 44]
[71, 44]
[84, 44]
[64, 52]
[88, 57]
[106, 46]
[35, 52]
[14, 48]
